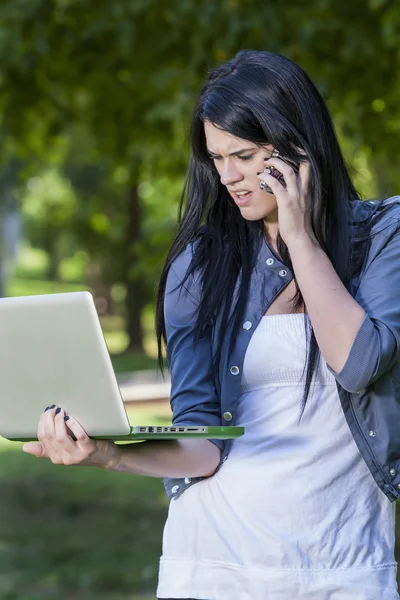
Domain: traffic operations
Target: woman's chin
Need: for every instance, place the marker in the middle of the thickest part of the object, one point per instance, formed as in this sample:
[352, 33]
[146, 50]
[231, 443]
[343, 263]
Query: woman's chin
[253, 214]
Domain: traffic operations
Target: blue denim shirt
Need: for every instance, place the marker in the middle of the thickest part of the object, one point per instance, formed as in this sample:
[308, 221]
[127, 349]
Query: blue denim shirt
[368, 384]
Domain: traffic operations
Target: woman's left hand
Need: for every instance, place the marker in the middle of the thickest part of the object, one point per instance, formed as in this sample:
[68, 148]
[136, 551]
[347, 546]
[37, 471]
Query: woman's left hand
[294, 211]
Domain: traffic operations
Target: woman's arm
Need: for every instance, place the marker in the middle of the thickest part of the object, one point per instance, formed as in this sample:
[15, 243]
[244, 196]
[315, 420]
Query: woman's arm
[169, 458]
[154, 458]
[359, 338]
[194, 401]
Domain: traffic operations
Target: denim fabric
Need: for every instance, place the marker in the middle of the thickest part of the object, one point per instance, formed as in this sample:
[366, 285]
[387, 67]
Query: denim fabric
[368, 384]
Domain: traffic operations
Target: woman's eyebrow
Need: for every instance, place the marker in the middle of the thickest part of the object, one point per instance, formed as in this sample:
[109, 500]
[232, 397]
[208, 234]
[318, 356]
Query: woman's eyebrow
[234, 153]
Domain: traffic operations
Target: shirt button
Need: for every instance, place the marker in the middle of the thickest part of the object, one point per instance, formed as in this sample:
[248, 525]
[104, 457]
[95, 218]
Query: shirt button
[247, 325]
[175, 489]
[235, 370]
[392, 472]
[372, 433]
[227, 416]
[283, 273]
[398, 486]
[270, 261]
[188, 480]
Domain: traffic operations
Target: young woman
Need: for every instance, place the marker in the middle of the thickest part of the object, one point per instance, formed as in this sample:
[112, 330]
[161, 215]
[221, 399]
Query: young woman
[278, 270]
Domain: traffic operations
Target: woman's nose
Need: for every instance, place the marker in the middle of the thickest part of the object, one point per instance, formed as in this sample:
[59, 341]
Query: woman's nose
[230, 175]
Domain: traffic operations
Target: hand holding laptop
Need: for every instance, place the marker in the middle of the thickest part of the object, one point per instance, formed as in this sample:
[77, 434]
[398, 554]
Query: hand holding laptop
[69, 444]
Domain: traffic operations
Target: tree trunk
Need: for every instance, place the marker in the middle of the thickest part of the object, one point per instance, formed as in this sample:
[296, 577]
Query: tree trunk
[383, 177]
[2, 258]
[2, 278]
[100, 289]
[135, 297]
[49, 245]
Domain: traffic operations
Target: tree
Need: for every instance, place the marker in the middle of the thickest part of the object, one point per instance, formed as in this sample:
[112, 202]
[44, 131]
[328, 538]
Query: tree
[129, 70]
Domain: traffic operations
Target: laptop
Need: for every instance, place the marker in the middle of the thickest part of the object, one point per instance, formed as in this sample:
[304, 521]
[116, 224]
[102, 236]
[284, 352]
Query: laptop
[52, 351]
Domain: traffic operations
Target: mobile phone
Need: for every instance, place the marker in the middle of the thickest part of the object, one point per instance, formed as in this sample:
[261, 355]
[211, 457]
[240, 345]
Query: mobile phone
[277, 174]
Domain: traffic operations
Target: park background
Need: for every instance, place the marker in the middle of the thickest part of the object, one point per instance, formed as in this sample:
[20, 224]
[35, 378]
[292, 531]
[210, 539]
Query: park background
[96, 98]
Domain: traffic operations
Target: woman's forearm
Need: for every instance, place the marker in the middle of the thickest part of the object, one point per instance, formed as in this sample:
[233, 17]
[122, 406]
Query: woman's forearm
[335, 316]
[169, 458]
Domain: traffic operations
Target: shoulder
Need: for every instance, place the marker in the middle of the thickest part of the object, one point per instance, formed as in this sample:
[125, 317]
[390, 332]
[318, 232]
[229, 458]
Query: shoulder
[183, 261]
[373, 216]
[180, 287]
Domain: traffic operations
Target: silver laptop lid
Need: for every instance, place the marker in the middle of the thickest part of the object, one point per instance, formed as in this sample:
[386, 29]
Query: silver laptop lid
[52, 351]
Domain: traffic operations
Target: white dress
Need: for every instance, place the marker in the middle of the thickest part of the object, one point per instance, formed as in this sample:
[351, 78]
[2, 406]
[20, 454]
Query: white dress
[294, 512]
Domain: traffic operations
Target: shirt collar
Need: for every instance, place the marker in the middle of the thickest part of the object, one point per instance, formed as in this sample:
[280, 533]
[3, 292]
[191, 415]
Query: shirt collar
[363, 209]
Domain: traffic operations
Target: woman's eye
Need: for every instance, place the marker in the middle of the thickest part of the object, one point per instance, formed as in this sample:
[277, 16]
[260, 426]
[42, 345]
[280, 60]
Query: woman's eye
[239, 157]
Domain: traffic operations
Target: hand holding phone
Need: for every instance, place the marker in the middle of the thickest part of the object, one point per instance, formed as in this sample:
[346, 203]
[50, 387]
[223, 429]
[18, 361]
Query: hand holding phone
[293, 200]
[277, 174]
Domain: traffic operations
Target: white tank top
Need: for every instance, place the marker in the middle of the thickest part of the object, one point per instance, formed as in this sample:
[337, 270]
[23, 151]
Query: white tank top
[294, 512]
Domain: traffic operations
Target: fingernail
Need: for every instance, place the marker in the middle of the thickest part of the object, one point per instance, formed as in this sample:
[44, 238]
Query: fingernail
[259, 172]
[66, 418]
[58, 410]
[47, 408]
[53, 406]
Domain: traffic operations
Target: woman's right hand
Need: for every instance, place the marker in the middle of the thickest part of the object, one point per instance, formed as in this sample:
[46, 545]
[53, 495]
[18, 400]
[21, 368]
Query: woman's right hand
[56, 442]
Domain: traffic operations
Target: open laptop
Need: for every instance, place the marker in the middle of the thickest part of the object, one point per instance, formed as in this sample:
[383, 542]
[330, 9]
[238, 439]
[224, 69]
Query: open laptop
[52, 351]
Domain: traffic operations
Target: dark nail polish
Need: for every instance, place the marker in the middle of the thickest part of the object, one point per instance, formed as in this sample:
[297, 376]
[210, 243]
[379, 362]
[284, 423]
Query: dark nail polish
[47, 408]
[58, 410]
[53, 406]
[259, 172]
[66, 418]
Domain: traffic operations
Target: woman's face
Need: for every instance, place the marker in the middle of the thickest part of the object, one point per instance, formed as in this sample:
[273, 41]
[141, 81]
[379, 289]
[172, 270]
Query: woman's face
[238, 161]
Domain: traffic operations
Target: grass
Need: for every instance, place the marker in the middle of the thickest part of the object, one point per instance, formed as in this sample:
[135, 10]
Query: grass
[124, 362]
[30, 287]
[79, 533]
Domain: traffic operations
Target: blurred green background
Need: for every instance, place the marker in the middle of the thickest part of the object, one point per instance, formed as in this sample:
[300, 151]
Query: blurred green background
[96, 99]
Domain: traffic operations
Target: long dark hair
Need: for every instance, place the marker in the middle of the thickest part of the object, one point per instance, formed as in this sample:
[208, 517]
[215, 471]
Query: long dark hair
[265, 98]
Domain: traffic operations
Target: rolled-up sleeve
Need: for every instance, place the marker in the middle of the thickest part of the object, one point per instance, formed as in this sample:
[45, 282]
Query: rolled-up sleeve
[376, 346]
[194, 400]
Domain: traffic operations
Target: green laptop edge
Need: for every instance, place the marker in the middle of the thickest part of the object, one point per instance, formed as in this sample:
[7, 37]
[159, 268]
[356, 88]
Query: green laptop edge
[144, 432]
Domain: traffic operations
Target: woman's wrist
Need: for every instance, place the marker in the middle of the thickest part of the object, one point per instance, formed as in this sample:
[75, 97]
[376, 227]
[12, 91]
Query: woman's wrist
[113, 459]
[106, 455]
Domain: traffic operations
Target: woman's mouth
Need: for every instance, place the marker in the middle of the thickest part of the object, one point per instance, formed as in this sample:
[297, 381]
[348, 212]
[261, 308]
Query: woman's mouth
[242, 198]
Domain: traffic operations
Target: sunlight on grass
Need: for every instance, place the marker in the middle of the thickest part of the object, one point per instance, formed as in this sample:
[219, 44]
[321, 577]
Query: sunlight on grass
[154, 414]
[31, 287]
[117, 341]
